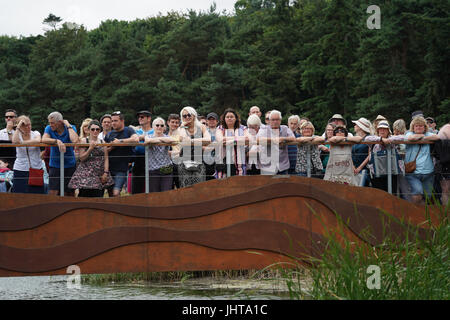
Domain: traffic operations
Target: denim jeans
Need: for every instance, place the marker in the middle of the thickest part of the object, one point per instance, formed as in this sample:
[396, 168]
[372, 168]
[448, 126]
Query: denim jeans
[120, 178]
[420, 183]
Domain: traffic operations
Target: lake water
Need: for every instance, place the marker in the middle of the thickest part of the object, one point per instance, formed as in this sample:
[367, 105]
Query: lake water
[55, 288]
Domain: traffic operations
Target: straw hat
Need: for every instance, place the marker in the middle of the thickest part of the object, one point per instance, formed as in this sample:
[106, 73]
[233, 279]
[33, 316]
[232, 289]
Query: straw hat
[337, 116]
[364, 124]
[384, 124]
[380, 117]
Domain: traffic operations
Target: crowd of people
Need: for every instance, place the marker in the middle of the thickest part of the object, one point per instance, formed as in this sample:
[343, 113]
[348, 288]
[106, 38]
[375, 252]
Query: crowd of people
[189, 148]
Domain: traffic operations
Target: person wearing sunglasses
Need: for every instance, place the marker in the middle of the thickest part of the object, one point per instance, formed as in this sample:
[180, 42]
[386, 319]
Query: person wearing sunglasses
[159, 161]
[10, 120]
[340, 165]
[144, 129]
[431, 125]
[92, 175]
[267, 118]
[193, 135]
[120, 157]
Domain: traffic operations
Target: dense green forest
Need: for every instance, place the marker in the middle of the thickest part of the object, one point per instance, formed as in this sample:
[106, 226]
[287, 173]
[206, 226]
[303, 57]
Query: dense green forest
[313, 58]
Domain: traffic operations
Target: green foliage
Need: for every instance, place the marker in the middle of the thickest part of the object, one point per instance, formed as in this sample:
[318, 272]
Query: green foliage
[413, 267]
[308, 57]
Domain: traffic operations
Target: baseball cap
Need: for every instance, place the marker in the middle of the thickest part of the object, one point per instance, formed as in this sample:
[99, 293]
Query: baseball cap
[212, 115]
[145, 112]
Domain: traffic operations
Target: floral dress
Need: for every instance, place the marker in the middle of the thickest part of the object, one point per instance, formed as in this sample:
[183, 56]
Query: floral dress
[88, 173]
[302, 159]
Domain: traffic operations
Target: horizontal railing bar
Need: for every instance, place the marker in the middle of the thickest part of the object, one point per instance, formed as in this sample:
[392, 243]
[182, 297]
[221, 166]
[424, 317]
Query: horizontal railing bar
[124, 144]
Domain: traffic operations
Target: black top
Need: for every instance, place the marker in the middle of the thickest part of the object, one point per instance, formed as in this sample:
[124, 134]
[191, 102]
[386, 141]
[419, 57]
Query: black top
[119, 157]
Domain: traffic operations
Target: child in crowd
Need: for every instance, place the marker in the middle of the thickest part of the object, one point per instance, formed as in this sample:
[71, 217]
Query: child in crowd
[6, 176]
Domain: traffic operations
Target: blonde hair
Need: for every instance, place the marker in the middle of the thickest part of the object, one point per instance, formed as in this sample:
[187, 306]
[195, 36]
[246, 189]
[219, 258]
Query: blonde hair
[23, 117]
[418, 120]
[85, 123]
[309, 125]
[399, 125]
[192, 112]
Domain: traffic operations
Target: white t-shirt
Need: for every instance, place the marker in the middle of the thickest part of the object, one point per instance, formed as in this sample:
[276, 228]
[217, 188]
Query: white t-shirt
[4, 134]
[22, 163]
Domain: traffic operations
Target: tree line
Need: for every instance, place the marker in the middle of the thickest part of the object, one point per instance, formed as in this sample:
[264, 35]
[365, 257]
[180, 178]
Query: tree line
[313, 58]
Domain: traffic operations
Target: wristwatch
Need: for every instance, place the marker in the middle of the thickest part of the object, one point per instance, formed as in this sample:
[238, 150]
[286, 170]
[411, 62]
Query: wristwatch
[10, 132]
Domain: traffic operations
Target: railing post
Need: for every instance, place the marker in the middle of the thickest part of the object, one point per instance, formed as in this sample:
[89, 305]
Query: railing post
[389, 168]
[61, 174]
[228, 160]
[308, 162]
[147, 187]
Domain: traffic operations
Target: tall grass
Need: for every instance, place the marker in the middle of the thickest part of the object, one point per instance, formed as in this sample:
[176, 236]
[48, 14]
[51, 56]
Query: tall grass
[411, 267]
[178, 276]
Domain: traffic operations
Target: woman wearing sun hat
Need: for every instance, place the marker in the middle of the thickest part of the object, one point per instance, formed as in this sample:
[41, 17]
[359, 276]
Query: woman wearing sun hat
[379, 159]
[377, 120]
[361, 152]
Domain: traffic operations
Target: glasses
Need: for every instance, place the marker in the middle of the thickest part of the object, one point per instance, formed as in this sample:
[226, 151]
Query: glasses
[267, 118]
[10, 117]
[187, 115]
[340, 131]
[95, 129]
[430, 121]
[159, 125]
[141, 116]
[116, 113]
[275, 119]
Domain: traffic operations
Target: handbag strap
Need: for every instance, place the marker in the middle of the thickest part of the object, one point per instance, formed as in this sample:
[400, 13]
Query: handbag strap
[29, 161]
[28, 156]
[418, 153]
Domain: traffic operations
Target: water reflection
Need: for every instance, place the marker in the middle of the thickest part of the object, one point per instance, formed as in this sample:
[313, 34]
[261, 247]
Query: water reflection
[55, 288]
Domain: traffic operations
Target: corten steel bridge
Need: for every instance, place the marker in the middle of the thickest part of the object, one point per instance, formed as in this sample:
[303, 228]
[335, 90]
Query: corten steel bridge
[242, 222]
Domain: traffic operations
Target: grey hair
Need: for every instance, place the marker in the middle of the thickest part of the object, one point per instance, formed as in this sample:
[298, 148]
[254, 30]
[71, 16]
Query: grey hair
[294, 117]
[158, 119]
[254, 120]
[55, 115]
[275, 112]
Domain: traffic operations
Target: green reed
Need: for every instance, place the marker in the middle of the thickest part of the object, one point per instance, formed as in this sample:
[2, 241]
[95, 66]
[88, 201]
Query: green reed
[411, 267]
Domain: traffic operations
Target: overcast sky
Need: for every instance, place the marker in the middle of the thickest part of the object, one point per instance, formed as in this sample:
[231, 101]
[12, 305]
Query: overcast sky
[24, 17]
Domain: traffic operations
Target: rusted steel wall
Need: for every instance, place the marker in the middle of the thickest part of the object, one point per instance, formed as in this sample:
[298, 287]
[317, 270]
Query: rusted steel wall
[245, 222]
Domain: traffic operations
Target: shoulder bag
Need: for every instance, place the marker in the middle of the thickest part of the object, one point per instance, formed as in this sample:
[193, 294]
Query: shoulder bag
[36, 176]
[410, 167]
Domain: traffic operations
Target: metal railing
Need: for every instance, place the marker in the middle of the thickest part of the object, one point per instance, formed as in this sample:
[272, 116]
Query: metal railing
[229, 148]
